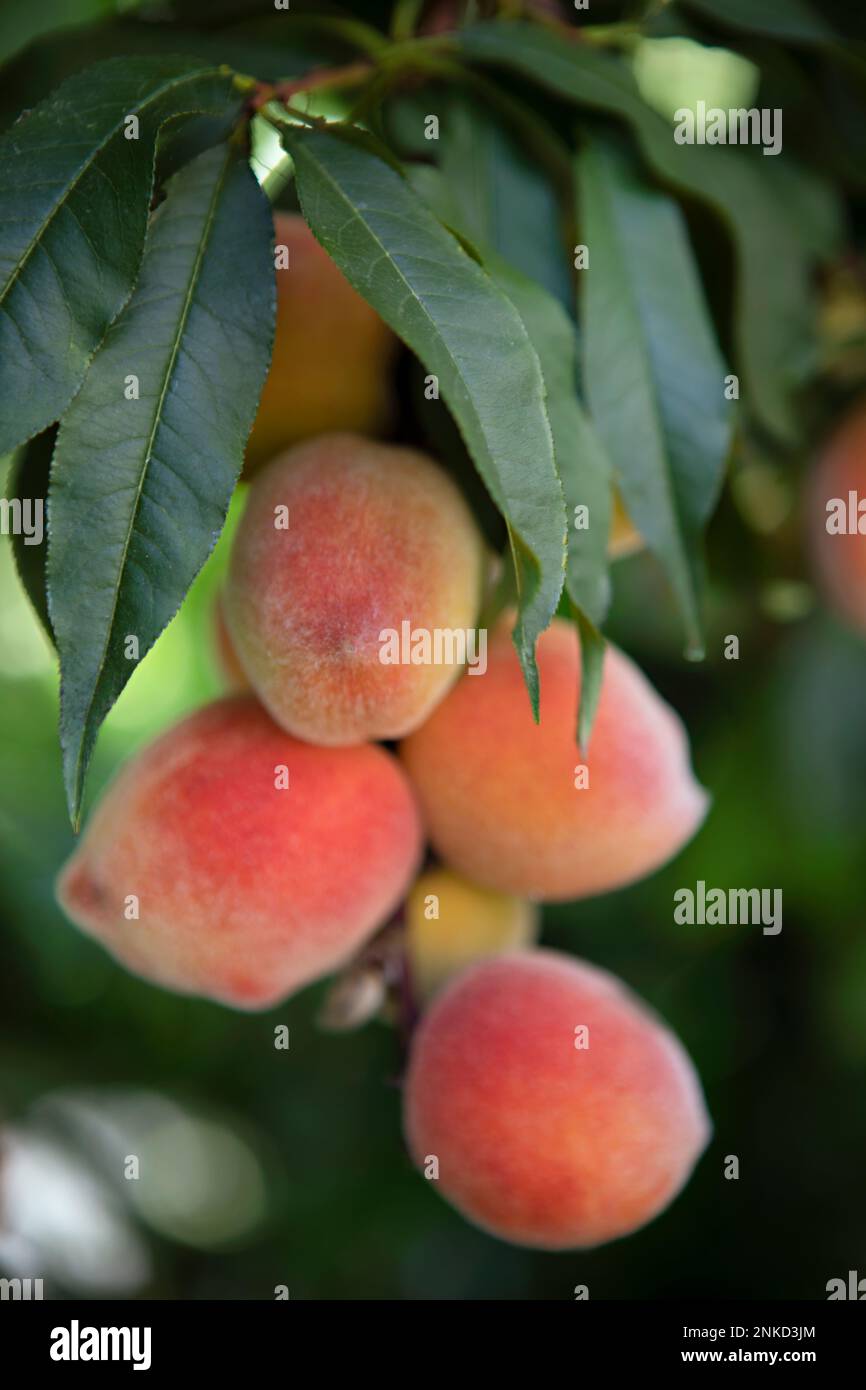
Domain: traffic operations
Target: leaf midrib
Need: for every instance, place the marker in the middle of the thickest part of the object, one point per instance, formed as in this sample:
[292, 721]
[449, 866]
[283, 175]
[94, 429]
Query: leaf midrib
[646, 357]
[429, 318]
[207, 227]
[69, 188]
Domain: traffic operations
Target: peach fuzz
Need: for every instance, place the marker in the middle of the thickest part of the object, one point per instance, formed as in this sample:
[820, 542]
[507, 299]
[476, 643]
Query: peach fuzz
[540, 1140]
[377, 536]
[332, 357]
[498, 791]
[839, 560]
[247, 890]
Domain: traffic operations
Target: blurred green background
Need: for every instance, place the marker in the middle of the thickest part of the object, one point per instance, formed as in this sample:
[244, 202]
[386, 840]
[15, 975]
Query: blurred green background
[263, 1167]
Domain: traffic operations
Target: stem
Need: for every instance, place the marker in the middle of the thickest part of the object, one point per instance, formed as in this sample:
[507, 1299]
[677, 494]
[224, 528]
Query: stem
[275, 118]
[623, 35]
[317, 80]
[391, 62]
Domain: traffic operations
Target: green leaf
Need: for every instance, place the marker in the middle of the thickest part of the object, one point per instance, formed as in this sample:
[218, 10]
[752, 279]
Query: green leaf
[592, 650]
[506, 199]
[796, 20]
[21, 21]
[76, 193]
[583, 468]
[654, 376]
[774, 308]
[466, 332]
[581, 462]
[140, 487]
[28, 485]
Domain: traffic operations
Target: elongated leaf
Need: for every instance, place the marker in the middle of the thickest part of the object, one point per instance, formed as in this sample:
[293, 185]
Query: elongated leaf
[28, 486]
[140, 487]
[592, 650]
[580, 457]
[581, 462]
[509, 204]
[466, 332]
[654, 376]
[76, 192]
[774, 319]
[583, 469]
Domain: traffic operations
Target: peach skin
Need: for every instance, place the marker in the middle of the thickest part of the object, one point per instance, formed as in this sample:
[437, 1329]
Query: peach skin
[332, 361]
[344, 541]
[516, 806]
[552, 1108]
[229, 860]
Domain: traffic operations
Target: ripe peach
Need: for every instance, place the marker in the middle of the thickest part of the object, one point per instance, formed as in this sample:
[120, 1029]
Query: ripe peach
[451, 923]
[516, 806]
[230, 860]
[559, 1110]
[344, 540]
[839, 556]
[331, 365]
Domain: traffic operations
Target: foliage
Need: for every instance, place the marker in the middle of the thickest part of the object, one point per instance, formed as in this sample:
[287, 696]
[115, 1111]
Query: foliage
[453, 174]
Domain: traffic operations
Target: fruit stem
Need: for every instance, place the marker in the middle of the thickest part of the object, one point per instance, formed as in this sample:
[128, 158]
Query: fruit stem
[320, 78]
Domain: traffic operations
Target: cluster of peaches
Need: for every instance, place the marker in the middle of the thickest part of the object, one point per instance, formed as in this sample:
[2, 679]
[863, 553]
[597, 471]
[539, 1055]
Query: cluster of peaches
[268, 838]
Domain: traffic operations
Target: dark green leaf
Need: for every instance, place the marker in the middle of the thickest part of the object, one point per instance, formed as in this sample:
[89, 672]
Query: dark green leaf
[506, 200]
[76, 193]
[466, 332]
[592, 650]
[580, 459]
[774, 318]
[581, 462]
[583, 470]
[28, 485]
[654, 376]
[782, 19]
[22, 21]
[140, 487]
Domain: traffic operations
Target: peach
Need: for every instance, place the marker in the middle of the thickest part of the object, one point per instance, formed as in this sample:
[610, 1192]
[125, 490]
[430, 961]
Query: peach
[332, 358]
[229, 860]
[553, 1108]
[514, 804]
[343, 542]
[451, 923]
[839, 554]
